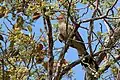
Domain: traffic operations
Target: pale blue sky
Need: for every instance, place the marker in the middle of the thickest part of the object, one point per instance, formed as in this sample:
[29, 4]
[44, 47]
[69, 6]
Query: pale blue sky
[71, 55]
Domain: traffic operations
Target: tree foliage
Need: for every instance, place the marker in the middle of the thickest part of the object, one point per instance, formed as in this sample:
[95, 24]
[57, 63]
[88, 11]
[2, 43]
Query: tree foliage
[25, 55]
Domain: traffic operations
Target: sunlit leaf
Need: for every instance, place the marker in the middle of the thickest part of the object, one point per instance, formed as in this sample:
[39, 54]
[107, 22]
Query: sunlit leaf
[84, 1]
[20, 20]
[29, 28]
[2, 11]
[99, 33]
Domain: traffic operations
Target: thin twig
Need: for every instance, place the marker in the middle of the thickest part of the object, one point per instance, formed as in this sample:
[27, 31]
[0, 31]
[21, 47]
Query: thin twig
[111, 7]
[91, 29]
[109, 27]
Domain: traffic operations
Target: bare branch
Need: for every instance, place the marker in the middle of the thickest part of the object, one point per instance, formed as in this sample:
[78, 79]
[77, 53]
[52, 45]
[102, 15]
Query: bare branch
[112, 7]
[93, 19]
[108, 65]
[50, 47]
[91, 26]
[70, 66]
[111, 41]
[109, 27]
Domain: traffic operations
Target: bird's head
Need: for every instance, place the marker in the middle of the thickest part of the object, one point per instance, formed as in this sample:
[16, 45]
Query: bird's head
[61, 18]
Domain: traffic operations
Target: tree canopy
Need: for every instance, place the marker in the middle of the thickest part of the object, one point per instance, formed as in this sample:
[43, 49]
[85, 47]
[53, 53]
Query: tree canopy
[30, 52]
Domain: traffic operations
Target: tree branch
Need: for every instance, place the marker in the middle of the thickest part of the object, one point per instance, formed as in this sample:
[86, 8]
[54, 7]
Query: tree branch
[112, 7]
[108, 65]
[91, 26]
[93, 19]
[50, 48]
[109, 27]
[70, 66]
[111, 41]
[66, 44]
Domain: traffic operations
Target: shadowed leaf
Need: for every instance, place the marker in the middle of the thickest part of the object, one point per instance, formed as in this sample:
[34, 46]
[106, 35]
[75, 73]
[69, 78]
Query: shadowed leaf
[1, 38]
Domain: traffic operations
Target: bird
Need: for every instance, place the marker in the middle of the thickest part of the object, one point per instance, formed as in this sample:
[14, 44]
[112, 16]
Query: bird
[76, 42]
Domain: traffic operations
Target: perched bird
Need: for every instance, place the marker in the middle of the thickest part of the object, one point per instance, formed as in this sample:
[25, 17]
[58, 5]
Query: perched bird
[77, 41]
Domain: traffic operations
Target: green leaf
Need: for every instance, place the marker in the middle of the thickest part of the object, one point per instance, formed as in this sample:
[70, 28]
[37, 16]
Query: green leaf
[99, 33]
[12, 43]
[55, 25]
[84, 1]
[29, 28]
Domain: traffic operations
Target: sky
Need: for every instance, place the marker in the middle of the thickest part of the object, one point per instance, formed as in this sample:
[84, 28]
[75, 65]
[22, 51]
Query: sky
[71, 54]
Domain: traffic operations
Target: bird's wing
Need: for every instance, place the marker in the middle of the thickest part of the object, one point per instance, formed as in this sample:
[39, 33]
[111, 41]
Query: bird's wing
[78, 43]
